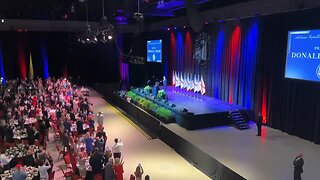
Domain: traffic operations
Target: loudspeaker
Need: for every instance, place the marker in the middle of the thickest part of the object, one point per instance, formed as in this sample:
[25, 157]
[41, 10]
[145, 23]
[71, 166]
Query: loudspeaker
[184, 110]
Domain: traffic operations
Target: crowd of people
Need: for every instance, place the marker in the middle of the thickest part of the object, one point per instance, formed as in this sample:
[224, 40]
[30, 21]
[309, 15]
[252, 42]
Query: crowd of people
[30, 108]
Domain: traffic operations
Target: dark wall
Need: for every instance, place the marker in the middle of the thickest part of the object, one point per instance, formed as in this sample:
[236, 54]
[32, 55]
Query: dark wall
[93, 62]
[292, 106]
[140, 74]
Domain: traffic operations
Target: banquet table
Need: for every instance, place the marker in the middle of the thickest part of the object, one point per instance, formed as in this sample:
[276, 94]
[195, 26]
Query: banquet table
[27, 121]
[20, 151]
[32, 173]
[20, 134]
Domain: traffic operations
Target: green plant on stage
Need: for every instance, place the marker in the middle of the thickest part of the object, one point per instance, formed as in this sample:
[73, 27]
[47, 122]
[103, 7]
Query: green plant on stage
[164, 113]
[134, 97]
[153, 107]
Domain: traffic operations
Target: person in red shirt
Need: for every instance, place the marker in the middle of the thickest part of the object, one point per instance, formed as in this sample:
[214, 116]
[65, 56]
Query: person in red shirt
[118, 168]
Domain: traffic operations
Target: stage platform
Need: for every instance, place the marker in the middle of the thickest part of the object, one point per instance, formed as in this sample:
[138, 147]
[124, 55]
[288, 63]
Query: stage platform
[225, 153]
[251, 157]
[196, 111]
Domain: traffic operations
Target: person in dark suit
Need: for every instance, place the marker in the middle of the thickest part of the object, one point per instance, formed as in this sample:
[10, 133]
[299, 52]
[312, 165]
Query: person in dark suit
[259, 124]
[96, 161]
[298, 164]
[31, 134]
[67, 125]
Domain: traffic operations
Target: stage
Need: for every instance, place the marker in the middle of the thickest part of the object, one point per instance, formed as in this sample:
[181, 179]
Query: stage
[225, 153]
[193, 110]
[197, 103]
[254, 158]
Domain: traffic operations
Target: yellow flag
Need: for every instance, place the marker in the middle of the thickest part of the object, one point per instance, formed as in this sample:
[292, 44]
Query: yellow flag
[31, 74]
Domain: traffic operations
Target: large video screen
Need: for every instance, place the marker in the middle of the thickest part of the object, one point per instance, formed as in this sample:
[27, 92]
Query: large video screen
[303, 55]
[154, 51]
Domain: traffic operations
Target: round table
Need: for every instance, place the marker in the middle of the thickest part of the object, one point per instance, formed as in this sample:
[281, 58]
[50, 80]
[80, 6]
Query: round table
[32, 173]
[20, 151]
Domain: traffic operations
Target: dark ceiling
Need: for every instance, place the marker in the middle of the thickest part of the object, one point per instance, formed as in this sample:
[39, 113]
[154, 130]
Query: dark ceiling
[121, 11]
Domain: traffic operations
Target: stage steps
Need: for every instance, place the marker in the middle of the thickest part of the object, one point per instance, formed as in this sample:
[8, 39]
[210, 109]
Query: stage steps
[239, 121]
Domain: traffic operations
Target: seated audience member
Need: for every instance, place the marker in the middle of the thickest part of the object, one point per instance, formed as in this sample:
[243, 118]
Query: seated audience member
[139, 172]
[108, 170]
[118, 168]
[18, 174]
[147, 177]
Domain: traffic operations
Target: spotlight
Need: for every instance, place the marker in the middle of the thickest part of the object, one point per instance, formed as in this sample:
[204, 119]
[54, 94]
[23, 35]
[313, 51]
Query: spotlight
[109, 37]
[175, 28]
[2, 20]
[168, 29]
[184, 27]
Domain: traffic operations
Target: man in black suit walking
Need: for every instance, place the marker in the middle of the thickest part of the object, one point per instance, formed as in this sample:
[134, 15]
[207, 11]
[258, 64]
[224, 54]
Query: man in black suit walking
[259, 124]
[298, 164]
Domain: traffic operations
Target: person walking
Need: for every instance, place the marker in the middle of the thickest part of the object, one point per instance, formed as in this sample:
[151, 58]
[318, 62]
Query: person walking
[298, 167]
[259, 124]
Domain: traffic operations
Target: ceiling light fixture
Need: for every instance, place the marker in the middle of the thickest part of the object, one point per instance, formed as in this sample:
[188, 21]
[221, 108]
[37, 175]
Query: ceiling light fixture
[105, 29]
[88, 35]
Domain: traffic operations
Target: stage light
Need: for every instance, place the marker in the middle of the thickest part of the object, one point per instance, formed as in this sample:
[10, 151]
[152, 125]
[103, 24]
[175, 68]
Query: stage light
[175, 28]
[184, 27]
[2, 20]
[109, 37]
[168, 29]
[206, 23]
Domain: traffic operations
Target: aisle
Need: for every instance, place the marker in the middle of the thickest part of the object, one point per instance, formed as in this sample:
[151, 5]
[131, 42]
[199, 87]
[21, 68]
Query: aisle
[157, 159]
